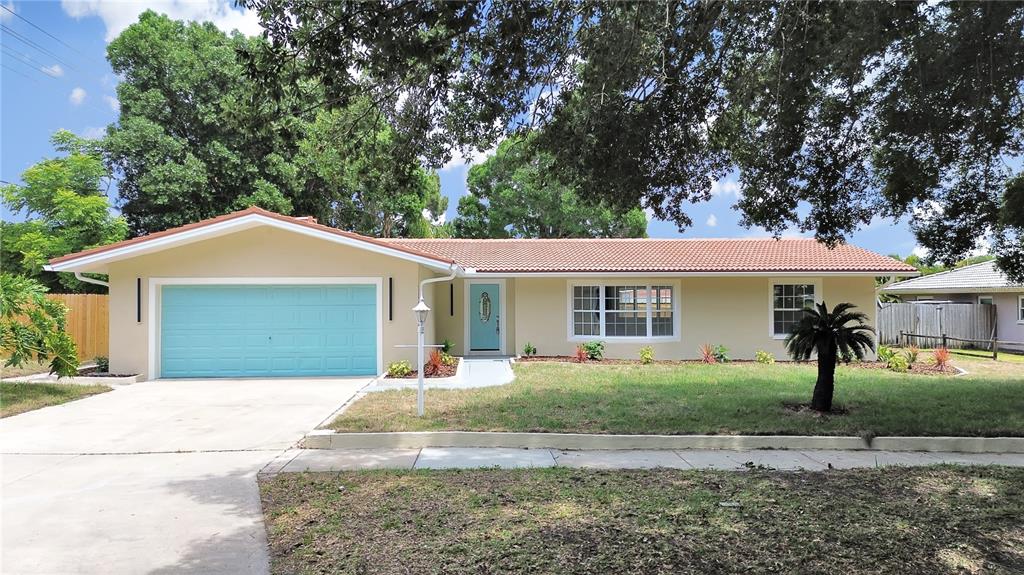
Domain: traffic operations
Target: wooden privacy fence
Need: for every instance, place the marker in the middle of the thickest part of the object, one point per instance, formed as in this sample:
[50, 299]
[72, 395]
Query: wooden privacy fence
[88, 322]
[957, 321]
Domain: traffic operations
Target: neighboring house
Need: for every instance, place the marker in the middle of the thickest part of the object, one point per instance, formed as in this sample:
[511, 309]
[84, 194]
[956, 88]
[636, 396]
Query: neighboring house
[254, 293]
[979, 284]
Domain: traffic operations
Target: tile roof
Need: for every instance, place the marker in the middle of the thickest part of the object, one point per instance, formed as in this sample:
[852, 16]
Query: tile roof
[981, 276]
[656, 255]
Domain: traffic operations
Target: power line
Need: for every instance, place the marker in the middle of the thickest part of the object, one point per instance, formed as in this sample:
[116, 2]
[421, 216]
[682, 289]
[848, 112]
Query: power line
[27, 59]
[19, 72]
[31, 44]
[32, 24]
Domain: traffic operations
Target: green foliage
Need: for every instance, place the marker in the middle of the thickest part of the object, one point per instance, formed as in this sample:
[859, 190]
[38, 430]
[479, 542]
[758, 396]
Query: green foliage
[831, 112]
[399, 368]
[66, 210]
[594, 349]
[885, 353]
[646, 355]
[911, 354]
[529, 349]
[447, 345]
[721, 354]
[32, 326]
[898, 363]
[448, 359]
[102, 364]
[514, 194]
[764, 357]
[196, 139]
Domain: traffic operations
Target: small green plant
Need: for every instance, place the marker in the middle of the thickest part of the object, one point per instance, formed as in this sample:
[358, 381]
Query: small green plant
[764, 357]
[449, 359]
[581, 354]
[721, 354]
[646, 355]
[595, 350]
[399, 368]
[911, 353]
[885, 353]
[102, 364]
[707, 353]
[529, 350]
[447, 345]
[898, 363]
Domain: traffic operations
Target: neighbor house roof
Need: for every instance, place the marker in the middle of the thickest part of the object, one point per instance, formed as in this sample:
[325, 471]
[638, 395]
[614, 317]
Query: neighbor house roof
[656, 255]
[528, 255]
[978, 277]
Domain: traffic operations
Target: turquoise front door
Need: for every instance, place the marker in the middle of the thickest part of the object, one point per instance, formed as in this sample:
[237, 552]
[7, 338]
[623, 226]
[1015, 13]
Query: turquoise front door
[268, 330]
[484, 317]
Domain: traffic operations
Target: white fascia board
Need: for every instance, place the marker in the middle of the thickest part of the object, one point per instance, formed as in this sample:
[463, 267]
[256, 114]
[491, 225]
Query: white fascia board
[476, 273]
[95, 261]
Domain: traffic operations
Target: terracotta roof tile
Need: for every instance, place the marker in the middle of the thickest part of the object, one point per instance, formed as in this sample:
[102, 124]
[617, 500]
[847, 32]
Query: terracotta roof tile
[656, 255]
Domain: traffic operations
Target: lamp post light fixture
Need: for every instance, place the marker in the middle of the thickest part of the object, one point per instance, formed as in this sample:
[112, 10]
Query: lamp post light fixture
[422, 310]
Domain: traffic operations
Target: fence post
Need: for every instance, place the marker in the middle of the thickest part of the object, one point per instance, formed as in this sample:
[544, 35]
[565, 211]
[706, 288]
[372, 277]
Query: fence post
[899, 340]
[943, 340]
[995, 349]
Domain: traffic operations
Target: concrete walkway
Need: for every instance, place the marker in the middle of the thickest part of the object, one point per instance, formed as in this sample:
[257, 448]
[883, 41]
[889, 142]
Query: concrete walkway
[473, 372]
[297, 460]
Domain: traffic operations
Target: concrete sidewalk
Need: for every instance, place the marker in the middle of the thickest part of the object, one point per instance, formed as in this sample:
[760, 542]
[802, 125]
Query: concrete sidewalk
[297, 460]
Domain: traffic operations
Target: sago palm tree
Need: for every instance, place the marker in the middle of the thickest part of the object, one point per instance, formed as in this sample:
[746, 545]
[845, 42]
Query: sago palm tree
[828, 334]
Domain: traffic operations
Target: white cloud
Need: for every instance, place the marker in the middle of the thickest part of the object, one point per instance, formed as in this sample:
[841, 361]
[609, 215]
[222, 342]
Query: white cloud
[6, 16]
[117, 16]
[56, 71]
[712, 221]
[920, 251]
[725, 187]
[112, 102]
[77, 96]
[475, 157]
[93, 133]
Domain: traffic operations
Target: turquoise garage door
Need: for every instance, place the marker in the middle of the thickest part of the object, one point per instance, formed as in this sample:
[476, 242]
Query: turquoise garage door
[268, 330]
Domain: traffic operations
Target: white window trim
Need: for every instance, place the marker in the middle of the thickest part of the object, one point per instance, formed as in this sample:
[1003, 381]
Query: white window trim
[819, 296]
[1020, 309]
[991, 299]
[502, 309]
[676, 323]
[154, 303]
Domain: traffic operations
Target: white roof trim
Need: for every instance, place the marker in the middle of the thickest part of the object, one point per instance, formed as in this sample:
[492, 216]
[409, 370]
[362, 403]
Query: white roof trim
[98, 261]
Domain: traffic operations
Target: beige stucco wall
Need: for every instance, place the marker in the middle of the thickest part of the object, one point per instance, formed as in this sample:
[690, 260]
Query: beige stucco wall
[260, 252]
[732, 311]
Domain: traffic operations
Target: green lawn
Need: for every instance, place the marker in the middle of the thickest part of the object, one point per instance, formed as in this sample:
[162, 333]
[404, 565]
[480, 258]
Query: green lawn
[18, 398]
[936, 520]
[694, 398]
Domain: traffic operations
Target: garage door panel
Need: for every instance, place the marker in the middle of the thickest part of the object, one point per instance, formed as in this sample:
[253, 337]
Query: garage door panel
[273, 330]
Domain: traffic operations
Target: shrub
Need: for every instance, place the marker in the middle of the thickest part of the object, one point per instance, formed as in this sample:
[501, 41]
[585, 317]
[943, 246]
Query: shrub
[911, 353]
[898, 363]
[529, 350]
[399, 369]
[764, 357]
[434, 363]
[646, 355]
[581, 354]
[449, 359]
[595, 350]
[721, 354]
[885, 353]
[941, 358]
[102, 364]
[707, 353]
[447, 345]
[32, 327]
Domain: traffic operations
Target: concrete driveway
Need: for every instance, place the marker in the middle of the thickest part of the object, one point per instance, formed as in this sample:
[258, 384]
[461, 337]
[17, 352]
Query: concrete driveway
[156, 477]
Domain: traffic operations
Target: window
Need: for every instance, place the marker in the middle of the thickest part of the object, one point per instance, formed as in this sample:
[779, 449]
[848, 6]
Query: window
[985, 299]
[623, 311]
[1020, 309]
[788, 303]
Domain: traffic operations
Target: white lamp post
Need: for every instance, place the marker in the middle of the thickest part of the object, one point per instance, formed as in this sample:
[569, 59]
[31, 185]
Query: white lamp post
[422, 310]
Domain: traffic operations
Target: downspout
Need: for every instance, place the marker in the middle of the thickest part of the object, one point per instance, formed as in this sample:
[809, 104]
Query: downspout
[455, 271]
[81, 278]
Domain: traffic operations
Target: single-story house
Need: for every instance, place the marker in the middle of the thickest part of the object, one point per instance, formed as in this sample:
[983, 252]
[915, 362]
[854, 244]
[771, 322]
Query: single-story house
[255, 293]
[977, 284]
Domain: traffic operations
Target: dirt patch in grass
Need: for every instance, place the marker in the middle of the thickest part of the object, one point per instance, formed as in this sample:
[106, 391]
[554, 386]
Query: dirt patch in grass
[567, 521]
[18, 398]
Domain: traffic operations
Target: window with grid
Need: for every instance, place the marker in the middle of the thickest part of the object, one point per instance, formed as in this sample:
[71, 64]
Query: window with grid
[788, 303]
[1020, 308]
[622, 311]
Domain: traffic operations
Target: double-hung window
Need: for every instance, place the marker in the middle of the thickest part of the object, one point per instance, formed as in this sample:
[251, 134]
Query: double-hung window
[1020, 309]
[789, 300]
[623, 311]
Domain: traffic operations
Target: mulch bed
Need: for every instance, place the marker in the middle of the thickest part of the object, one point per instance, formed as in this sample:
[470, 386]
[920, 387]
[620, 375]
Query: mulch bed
[916, 369]
[445, 371]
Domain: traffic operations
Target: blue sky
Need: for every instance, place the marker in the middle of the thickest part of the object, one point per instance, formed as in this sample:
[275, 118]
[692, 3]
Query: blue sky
[77, 92]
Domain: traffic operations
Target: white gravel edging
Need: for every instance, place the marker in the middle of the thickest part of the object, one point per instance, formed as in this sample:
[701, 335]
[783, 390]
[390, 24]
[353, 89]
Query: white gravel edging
[326, 439]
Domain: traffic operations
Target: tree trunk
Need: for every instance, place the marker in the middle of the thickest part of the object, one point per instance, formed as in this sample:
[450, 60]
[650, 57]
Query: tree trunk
[826, 383]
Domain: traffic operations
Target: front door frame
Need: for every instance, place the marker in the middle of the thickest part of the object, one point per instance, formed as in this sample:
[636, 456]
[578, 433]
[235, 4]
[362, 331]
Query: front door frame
[502, 309]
